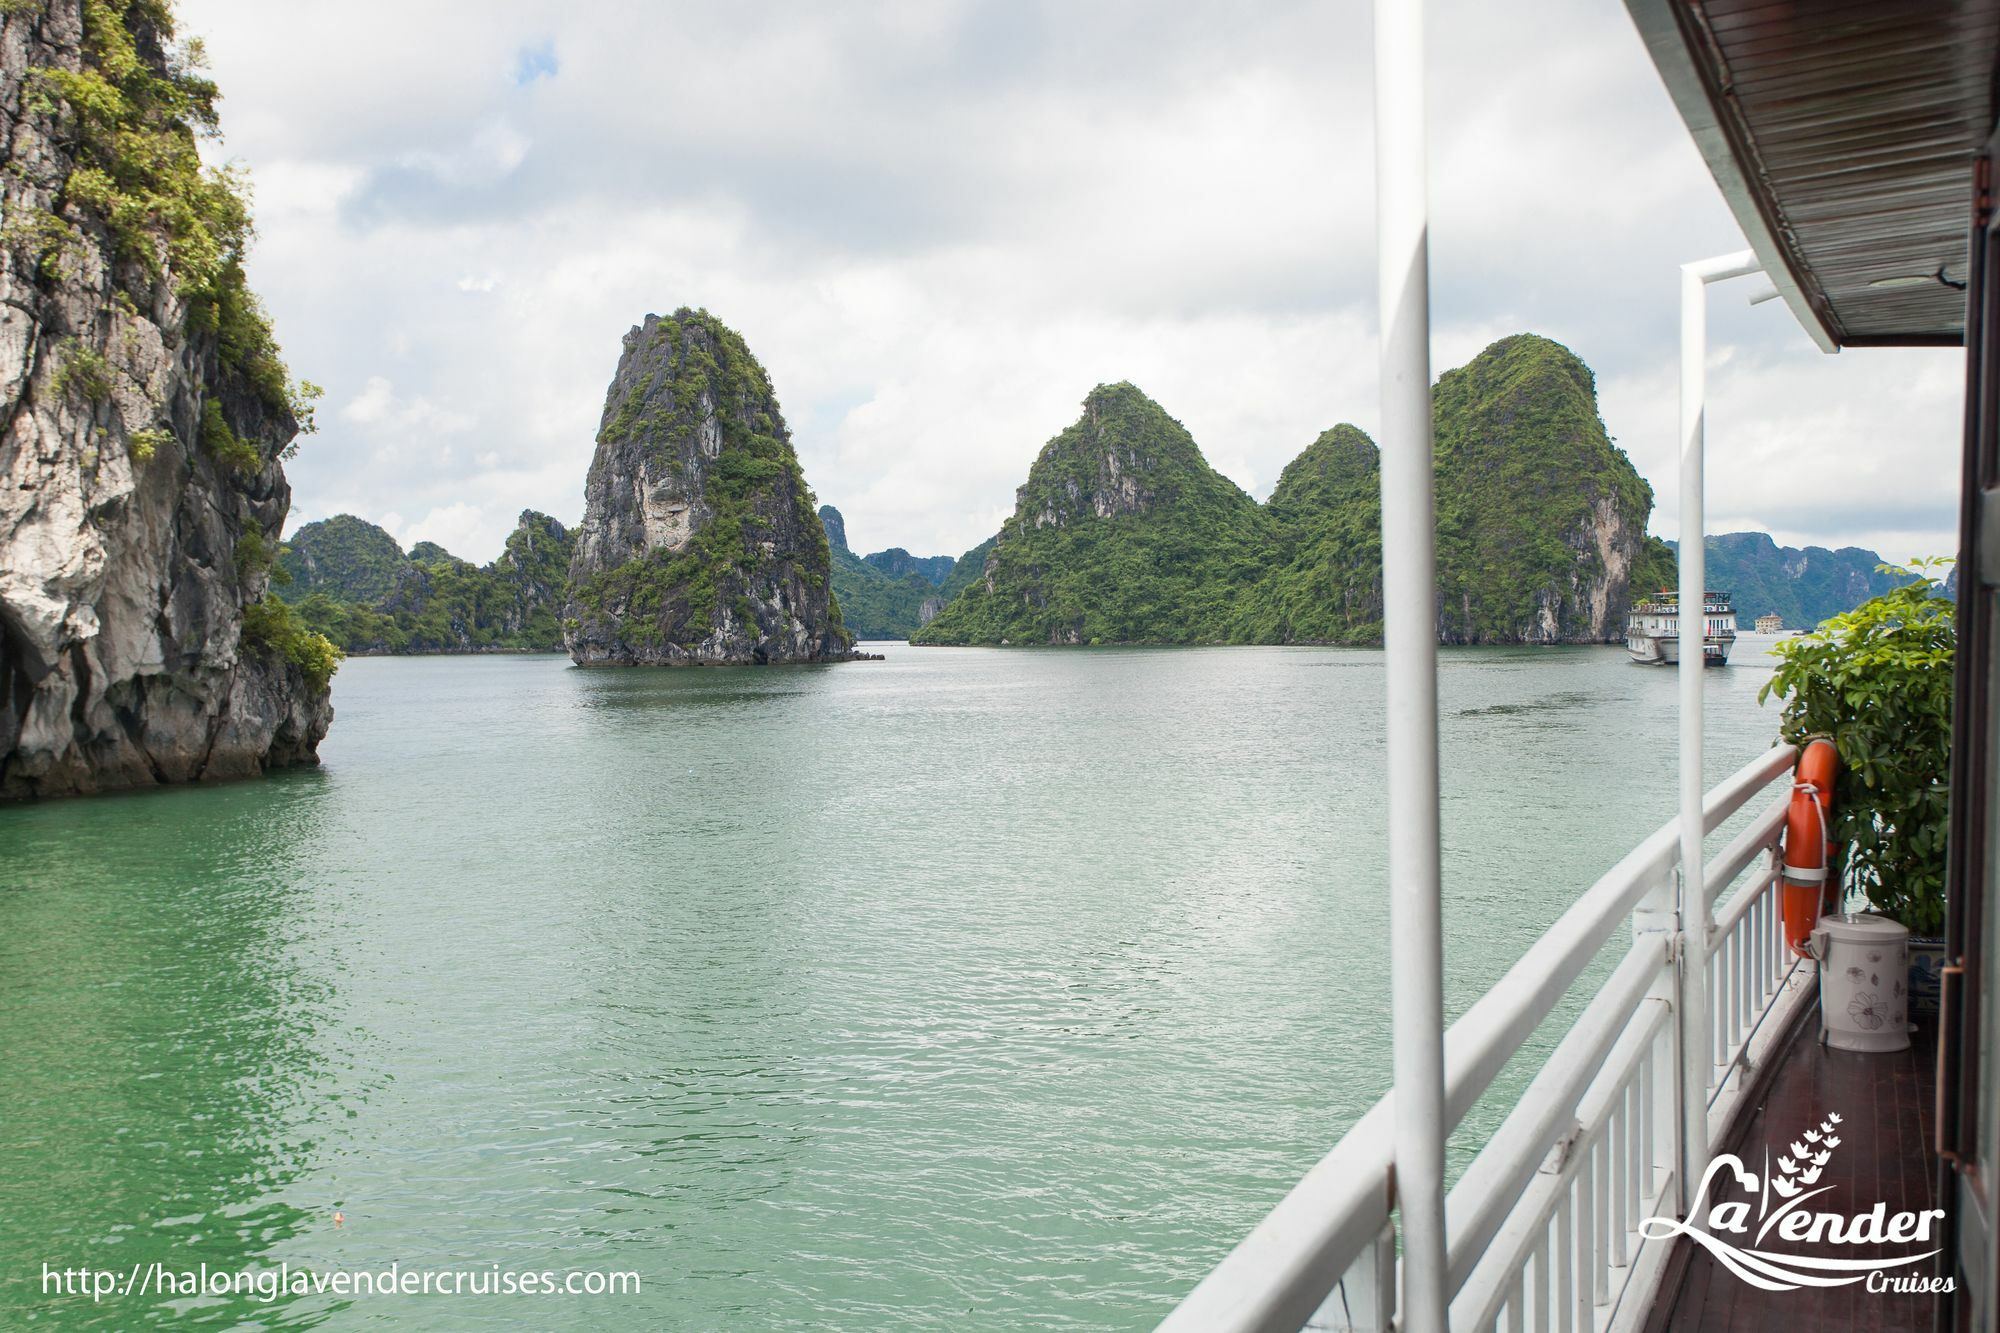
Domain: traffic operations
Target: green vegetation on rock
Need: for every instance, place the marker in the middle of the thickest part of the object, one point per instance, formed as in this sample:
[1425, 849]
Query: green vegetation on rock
[967, 568]
[135, 122]
[1656, 570]
[1540, 515]
[273, 627]
[1122, 534]
[1325, 583]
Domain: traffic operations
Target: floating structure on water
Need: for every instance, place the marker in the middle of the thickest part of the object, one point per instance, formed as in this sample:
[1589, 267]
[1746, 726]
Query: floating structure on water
[1652, 631]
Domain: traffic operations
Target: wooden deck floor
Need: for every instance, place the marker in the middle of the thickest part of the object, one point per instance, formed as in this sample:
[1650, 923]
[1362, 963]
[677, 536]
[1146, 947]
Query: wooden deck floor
[1888, 1109]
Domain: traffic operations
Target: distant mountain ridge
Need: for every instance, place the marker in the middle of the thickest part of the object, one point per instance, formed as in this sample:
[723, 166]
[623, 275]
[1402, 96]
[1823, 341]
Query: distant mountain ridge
[896, 562]
[1805, 585]
[890, 594]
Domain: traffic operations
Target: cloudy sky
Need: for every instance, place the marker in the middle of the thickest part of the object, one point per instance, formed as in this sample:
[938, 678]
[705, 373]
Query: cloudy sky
[939, 223]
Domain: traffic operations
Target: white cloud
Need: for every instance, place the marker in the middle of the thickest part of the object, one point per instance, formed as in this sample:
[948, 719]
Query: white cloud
[939, 224]
[454, 527]
[371, 404]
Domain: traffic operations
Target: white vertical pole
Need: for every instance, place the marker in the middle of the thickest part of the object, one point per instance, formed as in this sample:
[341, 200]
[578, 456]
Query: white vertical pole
[1692, 1131]
[1409, 579]
[1691, 1008]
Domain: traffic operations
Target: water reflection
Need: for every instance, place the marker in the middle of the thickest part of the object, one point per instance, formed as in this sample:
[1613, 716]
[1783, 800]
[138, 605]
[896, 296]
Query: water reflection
[163, 1045]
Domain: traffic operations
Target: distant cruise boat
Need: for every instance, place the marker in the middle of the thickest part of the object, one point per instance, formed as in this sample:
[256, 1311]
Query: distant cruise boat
[1652, 631]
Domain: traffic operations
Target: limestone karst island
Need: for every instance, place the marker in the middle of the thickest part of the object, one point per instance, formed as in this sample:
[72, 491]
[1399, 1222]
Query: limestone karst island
[996, 667]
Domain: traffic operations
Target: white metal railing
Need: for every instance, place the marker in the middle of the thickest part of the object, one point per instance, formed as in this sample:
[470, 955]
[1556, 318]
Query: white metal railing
[1542, 1228]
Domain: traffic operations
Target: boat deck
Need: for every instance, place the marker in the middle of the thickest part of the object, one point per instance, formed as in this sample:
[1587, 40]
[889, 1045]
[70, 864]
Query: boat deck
[1888, 1154]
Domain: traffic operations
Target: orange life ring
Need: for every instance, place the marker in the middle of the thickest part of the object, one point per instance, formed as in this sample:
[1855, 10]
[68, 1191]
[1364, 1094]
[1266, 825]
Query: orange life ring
[1809, 841]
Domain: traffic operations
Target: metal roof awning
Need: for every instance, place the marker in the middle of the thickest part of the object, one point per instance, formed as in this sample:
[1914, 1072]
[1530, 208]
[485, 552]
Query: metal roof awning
[1843, 134]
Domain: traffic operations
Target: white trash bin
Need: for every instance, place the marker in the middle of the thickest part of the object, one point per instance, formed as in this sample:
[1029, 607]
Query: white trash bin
[1864, 974]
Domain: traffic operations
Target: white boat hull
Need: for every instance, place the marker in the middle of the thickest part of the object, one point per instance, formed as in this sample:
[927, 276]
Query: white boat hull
[1665, 650]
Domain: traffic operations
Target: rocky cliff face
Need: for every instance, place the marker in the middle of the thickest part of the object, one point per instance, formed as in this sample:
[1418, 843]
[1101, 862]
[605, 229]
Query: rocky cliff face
[1541, 519]
[699, 543]
[146, 412]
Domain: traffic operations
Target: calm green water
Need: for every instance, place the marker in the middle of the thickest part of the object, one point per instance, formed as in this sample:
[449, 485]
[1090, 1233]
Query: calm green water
[978, 989]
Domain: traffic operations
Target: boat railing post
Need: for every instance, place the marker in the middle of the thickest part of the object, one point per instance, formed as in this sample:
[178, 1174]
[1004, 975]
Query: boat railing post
[1409, 577]
[1691, 1036]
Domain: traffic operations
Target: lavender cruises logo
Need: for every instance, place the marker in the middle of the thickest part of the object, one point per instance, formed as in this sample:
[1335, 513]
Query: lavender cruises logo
[1738, 1229]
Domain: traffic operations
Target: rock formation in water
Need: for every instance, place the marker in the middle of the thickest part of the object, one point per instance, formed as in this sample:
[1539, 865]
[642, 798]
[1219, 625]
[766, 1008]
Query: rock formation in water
[351, 582]
[147, 412]
[1541, 518]
[1122, 533]
[699, 544]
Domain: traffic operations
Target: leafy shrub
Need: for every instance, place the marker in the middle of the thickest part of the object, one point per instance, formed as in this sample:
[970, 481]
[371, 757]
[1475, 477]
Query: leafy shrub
[271, 626]
[254, 554]
[1878, 681]
[39, 236]
[84, 373]
[146, 443]
[229, 449]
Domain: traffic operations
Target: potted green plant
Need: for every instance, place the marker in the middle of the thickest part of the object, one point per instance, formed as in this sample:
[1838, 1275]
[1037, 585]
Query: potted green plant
[1878, 681]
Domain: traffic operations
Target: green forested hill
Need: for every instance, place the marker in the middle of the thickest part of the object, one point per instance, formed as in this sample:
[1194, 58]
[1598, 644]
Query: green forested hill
[1540, 517]
[1122, 533]
[346, 558]
[429, 601]
[1325, 581]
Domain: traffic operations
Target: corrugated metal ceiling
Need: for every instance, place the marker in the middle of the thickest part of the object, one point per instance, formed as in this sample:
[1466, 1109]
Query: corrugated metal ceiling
[1843, 134]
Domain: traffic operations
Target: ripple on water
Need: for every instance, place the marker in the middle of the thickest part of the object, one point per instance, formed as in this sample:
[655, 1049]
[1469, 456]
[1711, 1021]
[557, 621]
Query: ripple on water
[998, 988]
